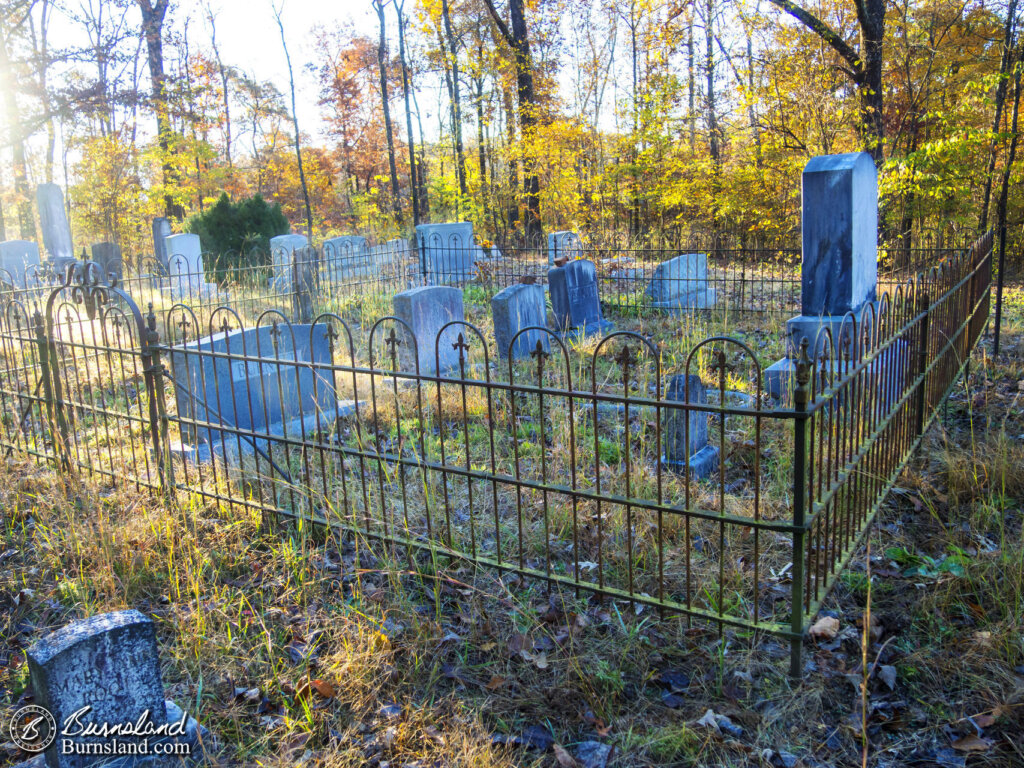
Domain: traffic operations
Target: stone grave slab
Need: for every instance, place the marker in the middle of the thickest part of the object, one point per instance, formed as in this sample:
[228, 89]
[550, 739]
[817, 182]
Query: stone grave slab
[426, 310]
[680, 284]
[53, 219]
[574, 298]
[564, 243]
[691, 453]
[513, 309]
[17, 259]
[281, 249]
[104, 670]
[447, 252]
[161, 231]
[108, 256]
[252, 393]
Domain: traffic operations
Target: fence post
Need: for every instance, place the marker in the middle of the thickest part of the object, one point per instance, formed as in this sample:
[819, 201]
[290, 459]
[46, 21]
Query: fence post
[923, 308]
[304, 269]
[48, 376]
[801, 470]
[153, 370]
[999, 288]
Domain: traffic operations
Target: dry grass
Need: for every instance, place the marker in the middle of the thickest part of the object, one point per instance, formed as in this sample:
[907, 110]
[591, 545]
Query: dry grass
[432, 663]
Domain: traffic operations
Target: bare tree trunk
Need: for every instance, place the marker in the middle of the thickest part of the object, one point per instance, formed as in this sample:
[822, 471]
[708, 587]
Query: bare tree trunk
[223, 72]
[396, 200]
[460, 154]
[691, 85]
[517, 38]
[421, 163]
[1005, 64]
[26, 221]
[295, 126]
[153, 14]
[42, 51]
[413, 173]
[481, 149]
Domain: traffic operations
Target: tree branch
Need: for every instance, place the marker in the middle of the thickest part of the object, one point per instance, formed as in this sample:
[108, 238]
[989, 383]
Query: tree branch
[822, 30]
[502, 28]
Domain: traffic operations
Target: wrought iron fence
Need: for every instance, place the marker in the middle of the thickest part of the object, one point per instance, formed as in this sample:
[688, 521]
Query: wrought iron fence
[572, 469]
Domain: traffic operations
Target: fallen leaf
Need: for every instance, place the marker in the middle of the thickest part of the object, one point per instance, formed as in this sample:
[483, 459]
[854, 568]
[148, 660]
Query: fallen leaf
[984, 721]
[825, 628]
[541, 660]
[972, 743]
[710, 720]
[887, 673]
[538, 737]
[495, 683]
[323, 688]
[563, 757]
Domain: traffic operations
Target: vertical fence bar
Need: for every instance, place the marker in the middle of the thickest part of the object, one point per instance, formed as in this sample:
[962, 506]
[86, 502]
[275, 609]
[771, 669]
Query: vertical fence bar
[923, 311]
[801, 459]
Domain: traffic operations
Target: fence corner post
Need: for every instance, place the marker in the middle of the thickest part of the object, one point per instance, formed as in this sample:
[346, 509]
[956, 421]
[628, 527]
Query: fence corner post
[50, 380]
[801, 401]
[154, 373]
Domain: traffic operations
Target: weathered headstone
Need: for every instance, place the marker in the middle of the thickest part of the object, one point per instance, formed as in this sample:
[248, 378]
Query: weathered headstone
[255, 394]
[346, 258]
[839, 271]
[564, 244]
[446, 252]
[515, 308]
[681, 284]
[54, 221]
[161, 231]
[104, 670]
[281, 249]
[185, 266]
[574, 298]
[426, 310]
[17, 257]
[690, 452]
[108, 256]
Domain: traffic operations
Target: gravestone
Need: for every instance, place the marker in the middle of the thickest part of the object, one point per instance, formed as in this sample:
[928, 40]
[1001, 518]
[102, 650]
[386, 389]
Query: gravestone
[839, 268]
[515, 308]
[108, 256]
[574, 298]
[161, 231]
[681, 284]
[426, 310]
[186, 271]
[689, 453]
[567, 244]
[346, 258]
[242, 389]
[109, 664]
[446, 252]
[281, 249]
[17, 258]
[53, 218]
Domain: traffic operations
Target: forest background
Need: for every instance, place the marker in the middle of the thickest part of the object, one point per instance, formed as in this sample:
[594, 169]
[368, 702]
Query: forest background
[638, 123]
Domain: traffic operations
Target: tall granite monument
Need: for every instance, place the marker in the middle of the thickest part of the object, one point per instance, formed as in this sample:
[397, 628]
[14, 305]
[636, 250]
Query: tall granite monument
[839, 270]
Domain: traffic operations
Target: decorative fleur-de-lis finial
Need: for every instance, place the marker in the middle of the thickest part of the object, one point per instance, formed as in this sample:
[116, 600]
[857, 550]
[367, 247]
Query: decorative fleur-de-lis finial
[331, 335]
[275, 333]
[541, 357]
[183, 325]
[225, 326]
[392, 342]
[462, 346]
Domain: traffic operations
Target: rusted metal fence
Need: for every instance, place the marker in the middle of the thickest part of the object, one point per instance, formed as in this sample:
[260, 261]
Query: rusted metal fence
[557, 466]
